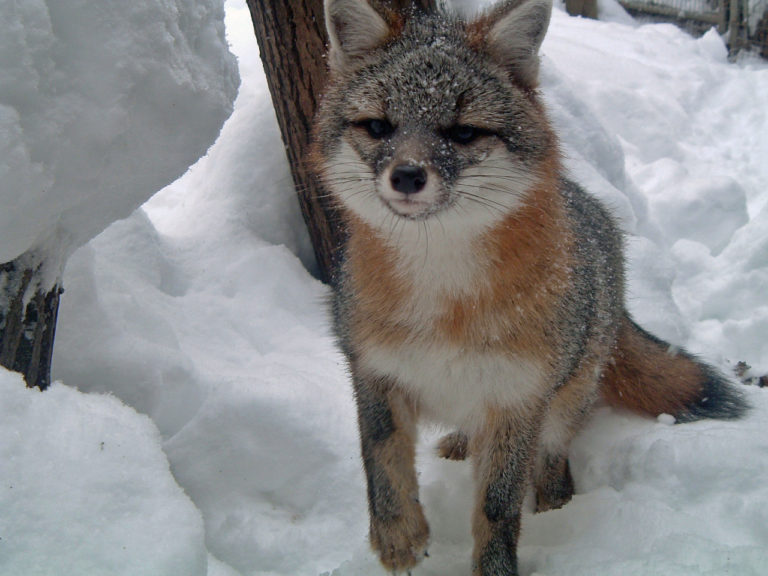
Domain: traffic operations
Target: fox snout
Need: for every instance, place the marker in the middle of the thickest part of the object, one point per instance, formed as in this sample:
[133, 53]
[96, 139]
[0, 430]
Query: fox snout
[411, 189]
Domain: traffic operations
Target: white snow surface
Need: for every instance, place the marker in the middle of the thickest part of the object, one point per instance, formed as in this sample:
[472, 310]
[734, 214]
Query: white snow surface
[86, 490]
[101, 105]
[192, 336]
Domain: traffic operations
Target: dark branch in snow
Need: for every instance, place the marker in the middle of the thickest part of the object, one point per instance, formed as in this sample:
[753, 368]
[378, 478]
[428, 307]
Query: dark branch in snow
[27, 321]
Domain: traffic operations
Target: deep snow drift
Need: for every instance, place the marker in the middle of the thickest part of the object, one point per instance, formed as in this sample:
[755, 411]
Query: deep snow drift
[196, 312]
[101, 105]
[85, 489]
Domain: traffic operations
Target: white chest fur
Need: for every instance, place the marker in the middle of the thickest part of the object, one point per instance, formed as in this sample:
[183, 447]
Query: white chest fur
[454, 386]
[443, 258]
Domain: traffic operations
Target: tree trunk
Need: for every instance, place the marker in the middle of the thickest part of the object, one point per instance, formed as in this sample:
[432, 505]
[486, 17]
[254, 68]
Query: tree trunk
[585, 8]
[292, 40]
[28, 314]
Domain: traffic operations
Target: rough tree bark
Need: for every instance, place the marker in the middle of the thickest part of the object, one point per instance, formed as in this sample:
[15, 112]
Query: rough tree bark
[292, 40]
[28, 311]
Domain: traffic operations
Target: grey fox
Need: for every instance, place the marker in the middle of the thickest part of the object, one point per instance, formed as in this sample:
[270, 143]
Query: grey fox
[477, 286]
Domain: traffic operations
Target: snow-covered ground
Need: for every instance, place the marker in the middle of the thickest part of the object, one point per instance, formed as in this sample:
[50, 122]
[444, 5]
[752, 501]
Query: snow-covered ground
[204, 423]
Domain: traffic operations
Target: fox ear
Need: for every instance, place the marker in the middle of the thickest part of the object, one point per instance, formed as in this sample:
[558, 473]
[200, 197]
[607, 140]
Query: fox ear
[354, 29]
[515, 31]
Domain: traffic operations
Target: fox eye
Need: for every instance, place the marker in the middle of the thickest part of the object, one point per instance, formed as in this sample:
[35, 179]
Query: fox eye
[377, 127]
[463, 133]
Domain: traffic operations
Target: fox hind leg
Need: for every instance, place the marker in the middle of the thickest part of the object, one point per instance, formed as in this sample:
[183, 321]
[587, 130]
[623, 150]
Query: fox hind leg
[553, 483]
[454, 446]
[569, 408]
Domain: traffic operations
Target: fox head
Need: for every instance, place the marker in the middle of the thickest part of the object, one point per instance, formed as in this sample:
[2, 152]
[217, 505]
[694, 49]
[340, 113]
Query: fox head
[428, 117]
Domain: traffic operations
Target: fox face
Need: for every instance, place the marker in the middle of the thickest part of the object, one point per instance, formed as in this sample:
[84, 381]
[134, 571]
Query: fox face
[430, 119]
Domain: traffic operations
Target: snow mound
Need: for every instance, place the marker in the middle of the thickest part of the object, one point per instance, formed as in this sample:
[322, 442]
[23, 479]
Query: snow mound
[101, 105]
[85, 488]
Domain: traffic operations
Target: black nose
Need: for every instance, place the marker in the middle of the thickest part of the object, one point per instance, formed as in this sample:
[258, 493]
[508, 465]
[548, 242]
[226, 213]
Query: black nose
[408, 179]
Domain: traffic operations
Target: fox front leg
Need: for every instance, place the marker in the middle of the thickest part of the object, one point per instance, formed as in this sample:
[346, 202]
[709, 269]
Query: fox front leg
[387, 420]
[503, 457]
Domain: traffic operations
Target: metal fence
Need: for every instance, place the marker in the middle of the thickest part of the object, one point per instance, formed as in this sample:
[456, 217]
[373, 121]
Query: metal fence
[744, 23]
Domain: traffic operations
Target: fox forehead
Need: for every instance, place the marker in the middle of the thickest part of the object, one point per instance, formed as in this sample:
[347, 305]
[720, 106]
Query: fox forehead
[434, 81]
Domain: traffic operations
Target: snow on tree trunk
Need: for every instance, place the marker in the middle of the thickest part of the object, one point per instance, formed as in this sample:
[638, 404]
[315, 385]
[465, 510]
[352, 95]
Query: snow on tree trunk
[292, 39]
[101, 105]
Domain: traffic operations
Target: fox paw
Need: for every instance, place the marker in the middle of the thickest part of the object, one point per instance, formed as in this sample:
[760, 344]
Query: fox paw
[402, 541]
[453, 446]
[555, 489]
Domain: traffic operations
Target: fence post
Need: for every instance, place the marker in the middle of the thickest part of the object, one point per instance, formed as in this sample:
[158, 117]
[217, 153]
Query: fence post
[722, 24]
[734, 26]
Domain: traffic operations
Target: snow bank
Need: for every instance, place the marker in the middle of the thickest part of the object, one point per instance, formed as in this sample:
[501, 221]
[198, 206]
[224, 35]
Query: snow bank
[248, 162]
[101, 105]
[226, 344]
[674, 139]
[660, 499]
[85, 488]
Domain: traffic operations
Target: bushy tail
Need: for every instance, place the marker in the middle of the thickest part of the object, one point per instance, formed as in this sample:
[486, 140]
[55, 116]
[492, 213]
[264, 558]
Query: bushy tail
[649, 375]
